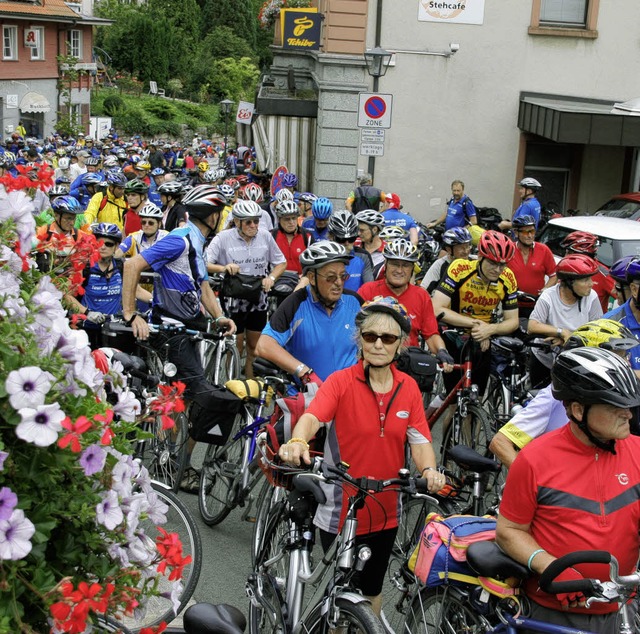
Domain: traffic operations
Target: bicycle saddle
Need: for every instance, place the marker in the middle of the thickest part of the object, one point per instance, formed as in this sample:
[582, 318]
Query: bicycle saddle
[471, 460]
[206, 618]
[488, 560]
[508, 344]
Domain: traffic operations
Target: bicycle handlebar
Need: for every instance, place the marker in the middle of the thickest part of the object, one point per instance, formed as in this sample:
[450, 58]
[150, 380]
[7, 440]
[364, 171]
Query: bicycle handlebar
[586, 586]
[116, 326]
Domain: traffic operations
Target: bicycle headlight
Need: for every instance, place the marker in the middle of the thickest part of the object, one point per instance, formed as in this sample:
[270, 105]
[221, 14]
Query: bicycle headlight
[170, 370]
[363, 556]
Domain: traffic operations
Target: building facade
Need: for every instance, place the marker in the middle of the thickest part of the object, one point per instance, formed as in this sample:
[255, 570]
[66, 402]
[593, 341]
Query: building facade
[34, 35]
[482, 91]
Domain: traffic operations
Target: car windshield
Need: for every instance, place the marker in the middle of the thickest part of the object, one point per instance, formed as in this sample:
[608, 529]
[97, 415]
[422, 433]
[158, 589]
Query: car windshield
[609, 250]
[619, 208]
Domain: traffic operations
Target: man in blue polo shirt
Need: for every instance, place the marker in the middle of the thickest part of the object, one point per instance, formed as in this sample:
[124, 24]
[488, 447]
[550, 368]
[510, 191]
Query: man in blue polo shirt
[530, 205]
[393, 216]
[312, 331]
[460, 210]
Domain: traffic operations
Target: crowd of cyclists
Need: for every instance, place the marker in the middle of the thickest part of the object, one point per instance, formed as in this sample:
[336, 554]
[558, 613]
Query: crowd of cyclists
[189, 214]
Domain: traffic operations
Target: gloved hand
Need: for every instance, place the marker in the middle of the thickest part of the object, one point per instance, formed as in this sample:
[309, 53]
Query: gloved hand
[444, 357]
[570, 599]
[311, 377]
[96, 317]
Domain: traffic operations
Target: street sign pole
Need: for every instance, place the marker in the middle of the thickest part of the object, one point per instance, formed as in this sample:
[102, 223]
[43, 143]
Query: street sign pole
[372, 159]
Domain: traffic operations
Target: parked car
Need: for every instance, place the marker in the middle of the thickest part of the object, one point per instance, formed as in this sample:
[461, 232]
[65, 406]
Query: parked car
[618, 236]
[622, 206]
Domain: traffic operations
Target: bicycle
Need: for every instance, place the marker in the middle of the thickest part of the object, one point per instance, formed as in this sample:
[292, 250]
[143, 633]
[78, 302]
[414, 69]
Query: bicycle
[178, 520]
[465, 608]
[284, 565]
[229, 472]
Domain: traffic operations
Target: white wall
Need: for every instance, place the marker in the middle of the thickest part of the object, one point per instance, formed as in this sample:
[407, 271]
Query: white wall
[457, 117]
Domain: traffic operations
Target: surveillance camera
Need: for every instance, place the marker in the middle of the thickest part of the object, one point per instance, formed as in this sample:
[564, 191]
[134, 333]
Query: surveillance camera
[454, 47]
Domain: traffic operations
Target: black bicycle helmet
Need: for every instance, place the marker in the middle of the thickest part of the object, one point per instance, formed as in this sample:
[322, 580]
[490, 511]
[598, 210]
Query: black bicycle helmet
[343, 225]
[593, 376]
[203, 200]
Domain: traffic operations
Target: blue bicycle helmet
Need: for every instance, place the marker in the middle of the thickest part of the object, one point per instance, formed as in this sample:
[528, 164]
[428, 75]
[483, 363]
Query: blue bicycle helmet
[92, 179]
[524, 221]
[457, 235]
[633, 270]
[66, 205]
[322, 208]
[290, 180]
[117, 179]
[618, 270]
[106, 230]
[157, 171]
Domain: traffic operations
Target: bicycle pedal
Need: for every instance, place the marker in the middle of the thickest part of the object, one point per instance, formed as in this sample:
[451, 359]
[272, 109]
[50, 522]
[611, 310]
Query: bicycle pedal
[229, 469]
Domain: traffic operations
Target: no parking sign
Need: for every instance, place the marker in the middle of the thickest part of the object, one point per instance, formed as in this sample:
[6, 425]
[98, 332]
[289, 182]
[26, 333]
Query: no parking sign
[374, 110]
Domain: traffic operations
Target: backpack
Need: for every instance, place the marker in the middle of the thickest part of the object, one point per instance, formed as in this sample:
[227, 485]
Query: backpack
[441, 554]
[366, 197]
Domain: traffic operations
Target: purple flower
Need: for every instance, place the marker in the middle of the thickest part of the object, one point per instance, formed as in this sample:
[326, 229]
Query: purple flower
[93, 459]
[108, 512]
[41, 425]
[127, 407]
[8, 501]
[15, 534]
[3, 456]
[27, 387]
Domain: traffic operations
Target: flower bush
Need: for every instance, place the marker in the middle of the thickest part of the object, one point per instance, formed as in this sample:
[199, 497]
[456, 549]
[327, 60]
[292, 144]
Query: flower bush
[72, 497]
[270, 10]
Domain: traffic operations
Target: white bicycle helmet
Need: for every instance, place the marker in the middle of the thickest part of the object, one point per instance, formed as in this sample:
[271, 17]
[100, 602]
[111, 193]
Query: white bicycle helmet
[110, 161]
[252, 191]
[171, 188]
[210, 176]
[203, 200]
[371, 218]
[530, 183]
[401, 249]
[63, 163]
[149, 210]
[287, 208]
[321, 253]
[343, 225]
[244, 209]
[227, 191]
[284, 194]
[393, 232]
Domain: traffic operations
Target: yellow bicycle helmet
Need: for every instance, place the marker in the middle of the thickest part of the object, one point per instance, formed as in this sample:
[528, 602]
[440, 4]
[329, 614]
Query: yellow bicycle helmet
[476, 232]
[203, 166]
[143, 165]
[602, 333]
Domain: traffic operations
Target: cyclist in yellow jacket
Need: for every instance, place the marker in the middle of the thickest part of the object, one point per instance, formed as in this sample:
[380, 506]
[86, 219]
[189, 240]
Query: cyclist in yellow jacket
[110, 205]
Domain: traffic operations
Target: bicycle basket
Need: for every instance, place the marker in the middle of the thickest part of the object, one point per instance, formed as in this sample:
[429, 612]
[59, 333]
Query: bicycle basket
[212, 415]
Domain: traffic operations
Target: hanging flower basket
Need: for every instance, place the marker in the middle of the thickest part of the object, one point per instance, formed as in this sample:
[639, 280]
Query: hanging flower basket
[270, 10]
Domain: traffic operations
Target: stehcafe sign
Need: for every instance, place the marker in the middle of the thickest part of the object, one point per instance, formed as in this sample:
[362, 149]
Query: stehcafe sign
[300, 28]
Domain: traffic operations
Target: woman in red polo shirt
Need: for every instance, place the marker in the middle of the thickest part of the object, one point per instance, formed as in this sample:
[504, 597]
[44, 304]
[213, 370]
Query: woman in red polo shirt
[370, 411]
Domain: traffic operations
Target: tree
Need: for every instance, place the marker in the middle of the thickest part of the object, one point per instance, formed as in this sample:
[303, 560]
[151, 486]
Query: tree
[234, 79]
[238, 15]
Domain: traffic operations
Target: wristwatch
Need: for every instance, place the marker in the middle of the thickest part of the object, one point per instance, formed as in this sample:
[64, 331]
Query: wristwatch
[272, 278]
[559, 331]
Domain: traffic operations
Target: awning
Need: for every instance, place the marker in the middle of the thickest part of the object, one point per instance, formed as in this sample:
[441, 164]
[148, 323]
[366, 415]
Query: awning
[577, 120]
[34, 102]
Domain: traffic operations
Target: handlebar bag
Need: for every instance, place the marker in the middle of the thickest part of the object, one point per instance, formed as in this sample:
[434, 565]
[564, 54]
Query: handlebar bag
[212, 415]
[240, 286]
[419, 365]
[441, 554]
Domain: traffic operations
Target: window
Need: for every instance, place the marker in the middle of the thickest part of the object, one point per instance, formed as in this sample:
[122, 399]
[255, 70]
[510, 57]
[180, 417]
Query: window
[10, 42]
[569, 18]
[37, 52]
[75, 112]
[75, 43]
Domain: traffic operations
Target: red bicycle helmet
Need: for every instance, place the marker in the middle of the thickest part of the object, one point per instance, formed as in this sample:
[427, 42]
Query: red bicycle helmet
[581, 242]
[575, 266]
[496, 247]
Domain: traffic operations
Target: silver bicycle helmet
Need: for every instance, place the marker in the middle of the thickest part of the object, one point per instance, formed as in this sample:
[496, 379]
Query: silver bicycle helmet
[287, 208]
[284, 194]
[172, 188]
[343, 225]
[244, 209]
[321, 253]
[149, 210]
[227, 191]
[401, 249]
[371, 218]
[392, 232]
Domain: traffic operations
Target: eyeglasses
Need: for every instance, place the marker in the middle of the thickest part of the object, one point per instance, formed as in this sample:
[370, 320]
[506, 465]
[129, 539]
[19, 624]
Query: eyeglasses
[497, 265]
[108, 243]
[345, 240]
[252, 221]
[401, 264]
[527, 232]
[386, 338]
[332, 279]
[148, 222]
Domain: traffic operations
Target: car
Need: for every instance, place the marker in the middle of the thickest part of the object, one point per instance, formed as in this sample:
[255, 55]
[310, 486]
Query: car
[622, 206]
[618, 236]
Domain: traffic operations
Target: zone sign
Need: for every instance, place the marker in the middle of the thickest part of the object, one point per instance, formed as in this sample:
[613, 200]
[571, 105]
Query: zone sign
[374, 110]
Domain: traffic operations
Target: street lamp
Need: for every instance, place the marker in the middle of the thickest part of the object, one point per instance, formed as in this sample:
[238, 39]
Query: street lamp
[225, 108]
[377, 60]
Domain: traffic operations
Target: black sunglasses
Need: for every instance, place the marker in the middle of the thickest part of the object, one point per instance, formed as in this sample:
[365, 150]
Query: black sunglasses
[386, 338]
[108, 243]
[343, 240]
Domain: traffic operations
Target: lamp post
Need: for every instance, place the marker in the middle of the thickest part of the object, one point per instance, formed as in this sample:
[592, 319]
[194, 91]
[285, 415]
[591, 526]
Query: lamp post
[377, 60]
[225, 108]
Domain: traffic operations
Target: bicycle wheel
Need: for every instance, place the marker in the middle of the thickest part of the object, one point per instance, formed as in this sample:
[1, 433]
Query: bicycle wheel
[494, 402]
[265, 614]
[352, 618]
[180, 521]
[475, 432]
[442, 611]
[165, 453]
[228, 368]
[268, 497]
[220, 470]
